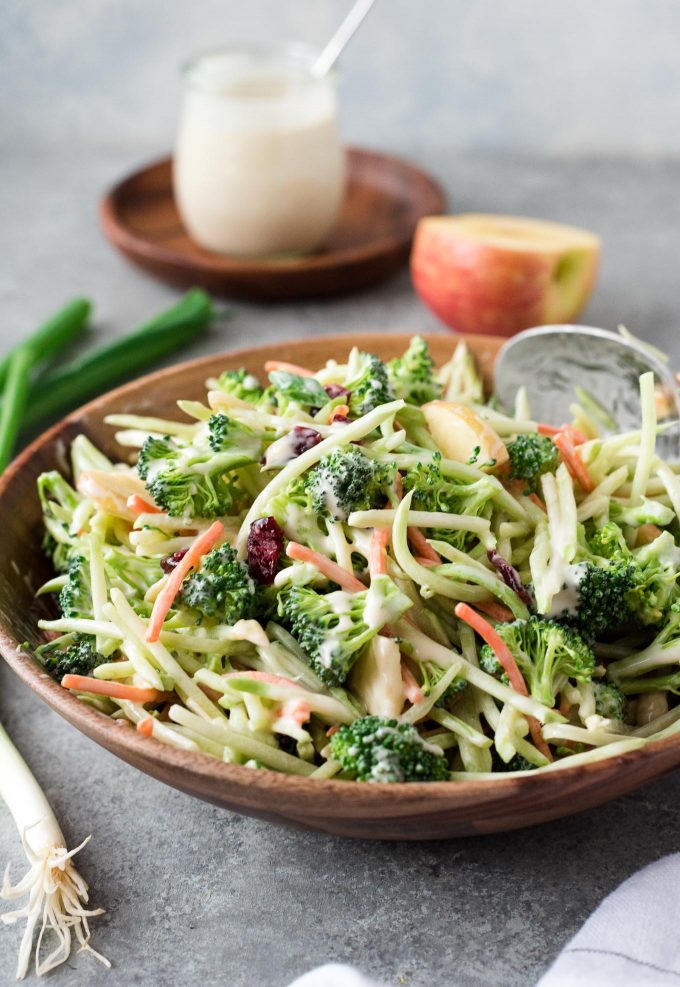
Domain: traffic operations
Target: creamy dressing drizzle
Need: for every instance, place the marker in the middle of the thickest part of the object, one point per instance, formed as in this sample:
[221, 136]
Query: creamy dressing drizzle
[566, 600]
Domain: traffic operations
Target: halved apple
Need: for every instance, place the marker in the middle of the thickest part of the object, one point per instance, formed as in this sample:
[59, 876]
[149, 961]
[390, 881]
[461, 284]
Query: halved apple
[462, 435]
[498, 274]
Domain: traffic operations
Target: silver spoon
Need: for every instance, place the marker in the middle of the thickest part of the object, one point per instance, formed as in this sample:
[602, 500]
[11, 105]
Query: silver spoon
[344, 33]
[550, 361]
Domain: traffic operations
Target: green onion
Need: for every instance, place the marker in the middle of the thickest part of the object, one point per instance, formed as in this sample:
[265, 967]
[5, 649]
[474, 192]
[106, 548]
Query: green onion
[57, 894]
[59, 330]
[57, 392]
[17, 385]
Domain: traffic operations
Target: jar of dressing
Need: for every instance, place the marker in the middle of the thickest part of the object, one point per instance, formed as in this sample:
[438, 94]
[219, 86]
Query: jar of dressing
[258, 169]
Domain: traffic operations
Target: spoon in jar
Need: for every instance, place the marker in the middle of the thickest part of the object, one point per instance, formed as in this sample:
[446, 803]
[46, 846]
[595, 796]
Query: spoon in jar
[562, 364]
[344, 33]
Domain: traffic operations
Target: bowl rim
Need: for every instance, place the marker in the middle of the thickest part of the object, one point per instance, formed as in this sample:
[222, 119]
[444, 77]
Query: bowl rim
[189, 764]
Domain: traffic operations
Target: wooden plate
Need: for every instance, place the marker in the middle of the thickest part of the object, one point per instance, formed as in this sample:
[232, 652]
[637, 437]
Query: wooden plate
[385, 199]
[402, 812]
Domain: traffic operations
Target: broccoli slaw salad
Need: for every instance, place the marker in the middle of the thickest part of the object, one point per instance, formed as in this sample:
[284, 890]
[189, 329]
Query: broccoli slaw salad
[369, 572]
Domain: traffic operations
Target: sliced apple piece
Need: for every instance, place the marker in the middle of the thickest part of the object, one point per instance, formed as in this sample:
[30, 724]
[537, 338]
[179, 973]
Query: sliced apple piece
[498, 274]
[376, 678]
[462, 435]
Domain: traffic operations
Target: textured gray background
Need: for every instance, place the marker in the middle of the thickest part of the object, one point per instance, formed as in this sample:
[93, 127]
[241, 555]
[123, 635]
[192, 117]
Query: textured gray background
[564, 110]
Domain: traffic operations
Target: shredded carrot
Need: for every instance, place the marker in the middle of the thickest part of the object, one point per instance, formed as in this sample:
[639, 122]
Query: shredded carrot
[145, 727]
[412, 690]
[495, 610]
[291, 368]
[577, 437]
[426, 554]
[377, 558]
[422, 545]
[538, 502]
[340, 411]
[332, 730]
[138, 505]
[495, 641]
[203, 544]
[507, 660]
[573, 462]
[426, 563]
[116, 690]
[326, 566]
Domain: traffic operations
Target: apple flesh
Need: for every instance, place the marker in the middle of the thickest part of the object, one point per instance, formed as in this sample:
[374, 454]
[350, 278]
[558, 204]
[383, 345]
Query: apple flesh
[463, 436]
[499, 274]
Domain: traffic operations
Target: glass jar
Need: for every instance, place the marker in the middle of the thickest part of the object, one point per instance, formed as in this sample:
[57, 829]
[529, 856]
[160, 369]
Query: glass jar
[259, 169]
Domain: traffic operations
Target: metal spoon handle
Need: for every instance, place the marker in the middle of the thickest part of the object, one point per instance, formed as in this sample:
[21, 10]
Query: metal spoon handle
[331, 52]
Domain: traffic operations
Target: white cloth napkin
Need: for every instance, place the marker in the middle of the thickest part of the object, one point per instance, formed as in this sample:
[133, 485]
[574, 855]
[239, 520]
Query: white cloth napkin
[631, 940]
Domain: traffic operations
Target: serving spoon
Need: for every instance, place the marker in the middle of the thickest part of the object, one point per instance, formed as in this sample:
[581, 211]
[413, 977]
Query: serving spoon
[344, 33]
[550, 361]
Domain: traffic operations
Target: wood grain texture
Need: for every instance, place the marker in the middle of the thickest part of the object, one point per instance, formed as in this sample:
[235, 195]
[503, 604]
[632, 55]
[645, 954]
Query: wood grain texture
[386, 197]
[399, 812]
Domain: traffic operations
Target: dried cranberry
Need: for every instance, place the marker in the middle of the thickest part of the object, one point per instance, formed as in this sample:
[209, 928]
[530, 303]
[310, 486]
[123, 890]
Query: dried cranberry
[510, 576]
[169, 562]
[265, 545]
[342, 419]
[302, 439]
[337, 391]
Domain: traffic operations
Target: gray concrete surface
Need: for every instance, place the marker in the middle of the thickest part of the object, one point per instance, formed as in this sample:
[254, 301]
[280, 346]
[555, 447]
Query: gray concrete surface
[565, 77]
[195, 895]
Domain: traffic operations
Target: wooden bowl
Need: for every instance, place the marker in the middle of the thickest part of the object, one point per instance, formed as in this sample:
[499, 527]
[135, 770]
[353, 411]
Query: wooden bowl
[386, 197]
[401, 812]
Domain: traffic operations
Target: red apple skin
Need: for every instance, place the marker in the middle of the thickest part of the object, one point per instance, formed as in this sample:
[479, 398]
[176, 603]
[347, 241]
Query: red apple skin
[475, 287]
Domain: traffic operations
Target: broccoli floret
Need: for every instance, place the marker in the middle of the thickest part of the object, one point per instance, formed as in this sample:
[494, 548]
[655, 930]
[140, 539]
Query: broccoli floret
[531, 455]
[292, 509]
[609, 700]
[189, 480]
[608, 542]
[222, 588]
[333, 629]
[58, 500]
[647, 512]
[376, 749]
[516, 763]
[434, 492]
[412, 375]
[346, 480]
[289, 389]
[663, 652]
[491, 665]
[368, 382]
[431, 674]
[603, 598]
[78, 658]
[243, 385]
[546, 653]
[75, 598]
[133, 574]
[652, 570]
[228, 435]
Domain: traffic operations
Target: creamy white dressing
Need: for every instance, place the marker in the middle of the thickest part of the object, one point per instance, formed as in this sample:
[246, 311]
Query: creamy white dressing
[327, 491]
[376, 613]
[251, 383]
[301, 574]
[384, 731]
[281, 452]
[566, 600]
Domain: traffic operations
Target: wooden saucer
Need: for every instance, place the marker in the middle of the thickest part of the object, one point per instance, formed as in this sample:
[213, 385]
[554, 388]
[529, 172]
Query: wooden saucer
[385, 199]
